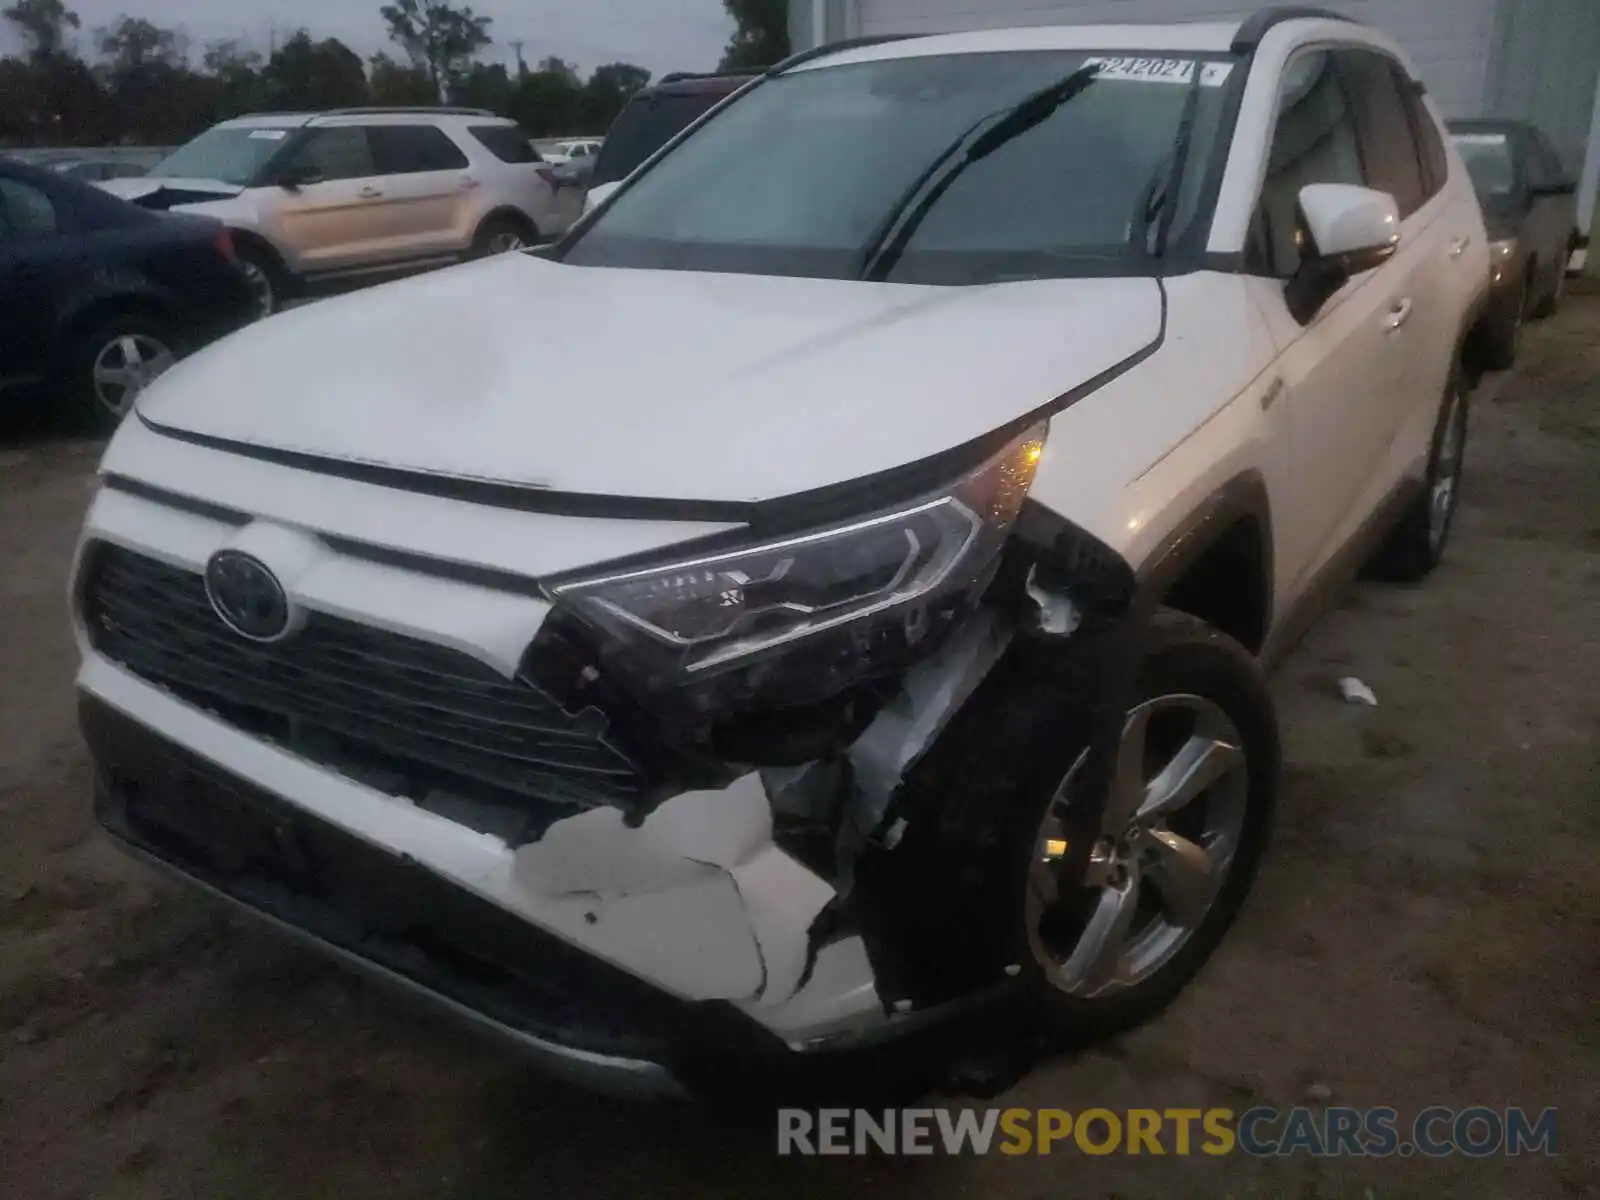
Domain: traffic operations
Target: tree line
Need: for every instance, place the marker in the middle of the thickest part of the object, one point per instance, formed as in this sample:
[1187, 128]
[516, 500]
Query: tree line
[144, 84]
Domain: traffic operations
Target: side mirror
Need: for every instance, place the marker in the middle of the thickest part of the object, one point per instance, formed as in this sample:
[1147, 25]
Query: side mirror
[1343, 230]
[295, 177]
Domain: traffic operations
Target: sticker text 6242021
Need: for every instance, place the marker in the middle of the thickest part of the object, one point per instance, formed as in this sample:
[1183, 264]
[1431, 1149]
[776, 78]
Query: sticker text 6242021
[1160, 70]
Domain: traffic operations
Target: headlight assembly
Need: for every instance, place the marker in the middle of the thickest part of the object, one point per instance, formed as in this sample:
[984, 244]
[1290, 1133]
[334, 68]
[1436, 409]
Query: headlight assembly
[835, 605]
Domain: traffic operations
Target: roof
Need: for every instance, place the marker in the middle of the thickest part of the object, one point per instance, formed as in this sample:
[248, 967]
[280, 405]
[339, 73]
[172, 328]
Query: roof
[686, 84]
[1203, 37]
[1237, 36]
[294, 120]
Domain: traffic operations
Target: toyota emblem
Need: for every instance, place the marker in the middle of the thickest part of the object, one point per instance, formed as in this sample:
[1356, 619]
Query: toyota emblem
[247, 596]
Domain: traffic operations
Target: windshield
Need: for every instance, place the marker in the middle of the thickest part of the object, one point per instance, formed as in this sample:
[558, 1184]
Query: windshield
[805, 174]
[1489, 162]
[232, 154]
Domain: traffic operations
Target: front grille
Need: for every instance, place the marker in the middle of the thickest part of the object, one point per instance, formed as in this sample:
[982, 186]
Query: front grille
[413, 718]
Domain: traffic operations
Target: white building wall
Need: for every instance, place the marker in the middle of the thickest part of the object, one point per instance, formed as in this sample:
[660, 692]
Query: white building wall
[1450, 41]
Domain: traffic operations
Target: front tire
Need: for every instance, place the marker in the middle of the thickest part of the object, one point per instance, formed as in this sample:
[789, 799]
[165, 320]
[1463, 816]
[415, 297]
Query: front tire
[1177, 845]
[1503, 335]
[266, 278]
[1418, 541]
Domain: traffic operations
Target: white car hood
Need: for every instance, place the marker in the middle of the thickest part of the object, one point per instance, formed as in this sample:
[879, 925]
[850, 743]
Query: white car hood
[145, 185]
[680, 385]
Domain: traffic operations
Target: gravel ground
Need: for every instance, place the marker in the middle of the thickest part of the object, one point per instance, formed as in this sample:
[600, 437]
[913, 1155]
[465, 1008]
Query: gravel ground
[1424, 931]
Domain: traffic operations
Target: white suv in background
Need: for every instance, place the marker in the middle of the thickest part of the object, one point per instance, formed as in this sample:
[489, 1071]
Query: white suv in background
[868, 671]
[319, 201]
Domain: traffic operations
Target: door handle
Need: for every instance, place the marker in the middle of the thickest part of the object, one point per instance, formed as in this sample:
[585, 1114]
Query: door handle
[1398, 315]
[370, 193]
[1459, 246]
[468, 184]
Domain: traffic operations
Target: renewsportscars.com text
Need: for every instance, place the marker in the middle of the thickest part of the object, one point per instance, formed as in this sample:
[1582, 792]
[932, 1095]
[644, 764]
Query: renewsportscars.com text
[1332, 1132]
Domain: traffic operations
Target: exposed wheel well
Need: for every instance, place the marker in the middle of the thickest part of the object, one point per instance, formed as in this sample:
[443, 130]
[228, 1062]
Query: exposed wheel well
[100, 311]
[1227, 586]
[244, 239]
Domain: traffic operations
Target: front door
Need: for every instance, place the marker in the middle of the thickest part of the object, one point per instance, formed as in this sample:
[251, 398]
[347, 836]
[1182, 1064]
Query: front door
[1341, 371]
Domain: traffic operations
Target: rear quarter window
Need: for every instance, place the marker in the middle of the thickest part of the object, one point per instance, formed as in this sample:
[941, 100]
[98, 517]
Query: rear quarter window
[506, 142]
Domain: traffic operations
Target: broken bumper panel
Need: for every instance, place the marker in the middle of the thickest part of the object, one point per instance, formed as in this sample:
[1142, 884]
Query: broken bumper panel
[579, 1018]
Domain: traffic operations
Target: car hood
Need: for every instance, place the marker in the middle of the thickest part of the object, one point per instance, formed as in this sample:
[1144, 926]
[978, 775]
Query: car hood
[681, 385]
[161, 192]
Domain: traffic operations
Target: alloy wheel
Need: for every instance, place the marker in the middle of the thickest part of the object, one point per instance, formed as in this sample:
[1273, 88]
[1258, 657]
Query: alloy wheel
[505, 241]
[125, 366]
[260, 284]
[1168, 838]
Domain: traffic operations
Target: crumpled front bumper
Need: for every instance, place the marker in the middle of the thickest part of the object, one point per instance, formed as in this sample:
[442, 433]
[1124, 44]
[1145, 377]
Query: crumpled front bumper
[695, 941]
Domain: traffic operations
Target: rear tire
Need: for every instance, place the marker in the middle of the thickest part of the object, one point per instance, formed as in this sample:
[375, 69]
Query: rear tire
[502, 235]
[1418, 541]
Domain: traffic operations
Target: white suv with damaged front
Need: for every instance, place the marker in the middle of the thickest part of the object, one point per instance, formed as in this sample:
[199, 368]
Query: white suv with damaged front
[853, 670]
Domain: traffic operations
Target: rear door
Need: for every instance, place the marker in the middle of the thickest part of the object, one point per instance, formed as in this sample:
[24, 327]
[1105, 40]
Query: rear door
[428, 190]
[34, 269]
[336, 221]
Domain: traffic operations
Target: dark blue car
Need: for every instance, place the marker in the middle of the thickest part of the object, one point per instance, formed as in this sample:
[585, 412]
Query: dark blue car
[98, 297]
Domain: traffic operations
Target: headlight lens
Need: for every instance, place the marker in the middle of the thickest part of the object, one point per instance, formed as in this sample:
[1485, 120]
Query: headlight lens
[1503, 249]
[847, 589]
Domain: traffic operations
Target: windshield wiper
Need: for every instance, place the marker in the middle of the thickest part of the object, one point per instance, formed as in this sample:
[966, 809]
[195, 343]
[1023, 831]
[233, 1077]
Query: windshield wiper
[889, 242]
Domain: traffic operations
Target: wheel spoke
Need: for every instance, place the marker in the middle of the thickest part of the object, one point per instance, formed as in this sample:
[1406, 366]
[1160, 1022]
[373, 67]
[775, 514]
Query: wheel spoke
[1185, 877]
[128, 347]
[1200, 764]
[1128, 782]
[1097, 958]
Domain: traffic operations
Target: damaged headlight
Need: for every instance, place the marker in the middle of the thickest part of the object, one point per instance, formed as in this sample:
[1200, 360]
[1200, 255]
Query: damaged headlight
[849, 598]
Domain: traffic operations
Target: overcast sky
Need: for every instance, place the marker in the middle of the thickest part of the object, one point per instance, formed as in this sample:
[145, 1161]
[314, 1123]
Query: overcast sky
[661, 35]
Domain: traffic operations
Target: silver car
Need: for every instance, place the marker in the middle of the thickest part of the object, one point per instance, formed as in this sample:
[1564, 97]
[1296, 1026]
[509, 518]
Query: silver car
[318, 201]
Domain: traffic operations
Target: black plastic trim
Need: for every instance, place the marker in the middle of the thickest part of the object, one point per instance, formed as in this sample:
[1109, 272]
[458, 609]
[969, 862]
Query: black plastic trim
[473, 491]
[839, 47]
[188, 504]
[1257, 25]
[1244, 497]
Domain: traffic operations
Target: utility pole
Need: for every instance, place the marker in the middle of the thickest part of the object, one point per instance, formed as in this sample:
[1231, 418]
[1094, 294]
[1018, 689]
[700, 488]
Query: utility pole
[516, 45]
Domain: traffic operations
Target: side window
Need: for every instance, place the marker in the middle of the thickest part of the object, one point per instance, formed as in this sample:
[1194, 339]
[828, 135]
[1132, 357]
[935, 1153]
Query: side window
[414, 149]
[1388, 147]
[1314, 141]
[506, 142]
[25, 211]
[1430, 145]
[341, 152]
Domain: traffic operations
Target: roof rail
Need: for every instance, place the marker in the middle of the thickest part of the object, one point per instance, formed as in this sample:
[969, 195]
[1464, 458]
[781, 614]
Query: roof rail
[805, 56]
[378, 110]
[1257, 24]
[680, 76]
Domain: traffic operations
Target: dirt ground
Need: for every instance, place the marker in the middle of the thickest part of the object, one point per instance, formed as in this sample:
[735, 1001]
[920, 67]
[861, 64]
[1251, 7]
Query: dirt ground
[1424, 932]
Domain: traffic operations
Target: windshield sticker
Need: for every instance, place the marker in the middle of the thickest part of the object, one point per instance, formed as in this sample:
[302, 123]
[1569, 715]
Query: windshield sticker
[1479, 139]
[270, 135]
[1160, 70]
